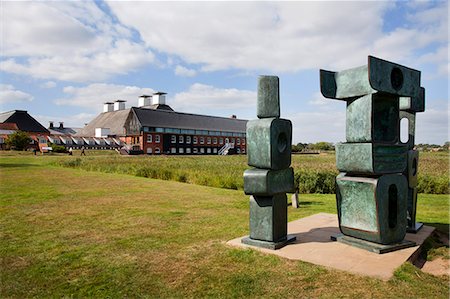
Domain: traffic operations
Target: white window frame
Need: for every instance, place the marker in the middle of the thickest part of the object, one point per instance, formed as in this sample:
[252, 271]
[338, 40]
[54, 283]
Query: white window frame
[208, 140]
[195, 140]
[208, 150]
[221, 141]
[157, 138]
[149, 138]
[173, 150]
[173, 139]
[202, 140]
[181, 150]
[181, 139]
[149, 151]
[188, 139]
[188, 150]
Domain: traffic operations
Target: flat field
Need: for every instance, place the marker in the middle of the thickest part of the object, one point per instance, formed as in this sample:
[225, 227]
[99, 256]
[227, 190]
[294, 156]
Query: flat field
[68, 232]
[313, 173]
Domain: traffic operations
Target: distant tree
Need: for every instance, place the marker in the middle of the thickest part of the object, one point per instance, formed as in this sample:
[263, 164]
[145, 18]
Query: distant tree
[299, 147]
[18, 140]
[322, 146]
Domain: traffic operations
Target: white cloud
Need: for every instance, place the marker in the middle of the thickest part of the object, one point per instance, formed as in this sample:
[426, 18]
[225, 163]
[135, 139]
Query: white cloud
[8, 94]
[432, 125]
[280, 36]
[94, 95]
[48, 84]
[201, 97]
[72, 41]
[185, 72]
[311, 127]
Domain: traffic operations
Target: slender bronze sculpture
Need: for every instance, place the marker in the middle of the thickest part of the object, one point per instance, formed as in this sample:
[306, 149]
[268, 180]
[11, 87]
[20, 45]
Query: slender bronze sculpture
[376, 190]
[269, 141]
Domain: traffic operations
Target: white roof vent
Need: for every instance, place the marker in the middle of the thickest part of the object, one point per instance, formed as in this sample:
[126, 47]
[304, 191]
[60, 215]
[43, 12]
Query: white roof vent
[108, 107]
[144, 100]
[119, 105]
[159, 98]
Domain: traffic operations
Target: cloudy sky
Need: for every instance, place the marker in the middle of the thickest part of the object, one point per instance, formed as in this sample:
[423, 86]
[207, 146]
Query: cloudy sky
[61, 60]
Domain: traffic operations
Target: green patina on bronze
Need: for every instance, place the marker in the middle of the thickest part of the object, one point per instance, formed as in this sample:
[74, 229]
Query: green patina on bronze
[411, 117]
[269, 140]
[377, 76]
[373, 118]
[268, 217]
[373, 209]
[378, 96]
[269, 143]
[268, 182]
[412, 168]
[370, 158]
[413, 104]
[268, 104]
[412, 206]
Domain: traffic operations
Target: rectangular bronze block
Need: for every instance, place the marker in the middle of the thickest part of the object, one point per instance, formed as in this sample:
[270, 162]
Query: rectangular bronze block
[412, 168]
[377, 76]
[373, 209]
[268, 218]
[268, 105]
[370, 158]
[414, 104]
[268, 182]
[411, 116]
[373, 118]
[269, 143]
[412, 207]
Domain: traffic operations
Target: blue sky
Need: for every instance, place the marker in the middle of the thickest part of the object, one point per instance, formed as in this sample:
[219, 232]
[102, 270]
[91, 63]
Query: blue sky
[62, 60]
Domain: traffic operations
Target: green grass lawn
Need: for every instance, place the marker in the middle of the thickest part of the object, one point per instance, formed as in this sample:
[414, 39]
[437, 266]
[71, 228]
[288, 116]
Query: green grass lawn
[72, 233]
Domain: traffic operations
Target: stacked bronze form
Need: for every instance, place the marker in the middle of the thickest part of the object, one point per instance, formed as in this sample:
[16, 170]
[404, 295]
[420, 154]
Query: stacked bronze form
[269, 141]
[376, 189]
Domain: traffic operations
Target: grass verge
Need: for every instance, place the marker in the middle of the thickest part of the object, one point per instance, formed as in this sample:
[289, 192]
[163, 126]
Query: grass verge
[71, 233]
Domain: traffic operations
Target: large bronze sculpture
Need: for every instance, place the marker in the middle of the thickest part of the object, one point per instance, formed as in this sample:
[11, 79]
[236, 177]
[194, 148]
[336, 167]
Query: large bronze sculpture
[269, 141]
[376, 189]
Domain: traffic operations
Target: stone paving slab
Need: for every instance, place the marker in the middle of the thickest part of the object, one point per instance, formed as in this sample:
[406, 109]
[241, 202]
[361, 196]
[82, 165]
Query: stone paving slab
[314, 245]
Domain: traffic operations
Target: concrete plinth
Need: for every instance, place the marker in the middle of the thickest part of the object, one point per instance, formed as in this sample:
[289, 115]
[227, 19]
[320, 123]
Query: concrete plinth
[313, 245]
[268, 245]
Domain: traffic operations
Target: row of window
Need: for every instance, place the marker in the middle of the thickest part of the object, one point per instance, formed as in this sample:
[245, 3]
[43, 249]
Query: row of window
[202, 150]
[209, 140]
[150, 138]
[193, 132]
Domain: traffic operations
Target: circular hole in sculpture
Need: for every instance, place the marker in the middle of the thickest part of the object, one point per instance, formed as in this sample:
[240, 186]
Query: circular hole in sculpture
[282, 142]
[396, 78]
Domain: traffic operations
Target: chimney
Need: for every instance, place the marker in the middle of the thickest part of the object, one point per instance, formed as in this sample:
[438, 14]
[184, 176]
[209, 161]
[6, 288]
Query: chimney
[50, 125]
[144, 100]
[61, 125]
[233, 116]
[119, 105]
[108, 107]
[159, 98]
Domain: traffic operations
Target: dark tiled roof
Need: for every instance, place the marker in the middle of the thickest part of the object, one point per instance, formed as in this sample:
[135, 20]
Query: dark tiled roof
[171, 119]
[63, 131]
[114, 120]
[23, 120]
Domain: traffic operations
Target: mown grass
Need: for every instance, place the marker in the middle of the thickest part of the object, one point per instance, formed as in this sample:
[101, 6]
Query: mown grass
[71, 233]
[313, 173]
